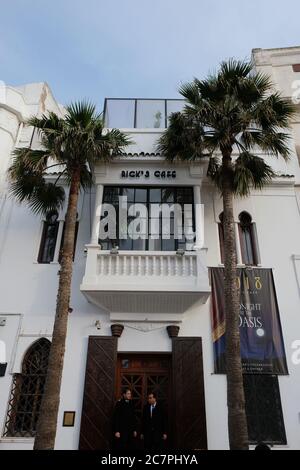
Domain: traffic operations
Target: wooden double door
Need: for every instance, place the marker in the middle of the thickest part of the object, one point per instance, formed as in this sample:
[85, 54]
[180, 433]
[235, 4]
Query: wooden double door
[177, 378]
[145, 373]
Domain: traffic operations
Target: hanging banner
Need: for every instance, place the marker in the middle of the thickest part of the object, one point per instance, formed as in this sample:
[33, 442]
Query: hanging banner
[262, 347]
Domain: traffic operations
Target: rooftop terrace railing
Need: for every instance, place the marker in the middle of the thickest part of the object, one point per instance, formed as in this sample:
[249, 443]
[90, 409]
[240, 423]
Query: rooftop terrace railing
[139, 113]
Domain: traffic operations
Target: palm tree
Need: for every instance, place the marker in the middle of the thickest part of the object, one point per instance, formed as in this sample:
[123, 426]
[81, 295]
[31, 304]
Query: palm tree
[233, 111]
[73, 145]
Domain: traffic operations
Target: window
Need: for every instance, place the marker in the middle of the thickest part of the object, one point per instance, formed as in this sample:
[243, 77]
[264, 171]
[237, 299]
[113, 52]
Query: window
[154, 227]
[248, 240]
[49, 237]
[263, 409]
[221, 236]
[27, 391]
[296, 67]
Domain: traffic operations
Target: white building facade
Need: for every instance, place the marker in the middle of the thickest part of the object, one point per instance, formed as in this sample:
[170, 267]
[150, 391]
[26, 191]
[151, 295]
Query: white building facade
[141, 313]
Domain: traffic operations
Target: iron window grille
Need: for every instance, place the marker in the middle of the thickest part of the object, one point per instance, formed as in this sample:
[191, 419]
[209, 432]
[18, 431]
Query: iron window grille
[27, 391]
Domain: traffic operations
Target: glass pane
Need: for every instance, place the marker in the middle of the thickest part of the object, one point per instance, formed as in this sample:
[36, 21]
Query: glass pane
[128, 192]
[154, 245]
[167, 226]
[125, 244]
[138, 229]
[150, 114]
[111, 194]
[173, 106]
[154, 226]
[139, 244]
[168, 245]
[141, 195]
[155, 195]
[167, 194]
[185, 195]
[120, 113]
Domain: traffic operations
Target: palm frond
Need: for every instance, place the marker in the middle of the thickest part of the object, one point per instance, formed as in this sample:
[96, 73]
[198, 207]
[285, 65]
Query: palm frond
[235, 108]
[76, 142]
[250, 171]
[23, 187]
[46, 197]
[182, 140]
[80, 114]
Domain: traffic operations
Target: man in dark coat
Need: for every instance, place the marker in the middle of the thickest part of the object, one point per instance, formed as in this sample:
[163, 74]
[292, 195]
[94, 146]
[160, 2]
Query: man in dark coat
[154, 424]
[124, 422]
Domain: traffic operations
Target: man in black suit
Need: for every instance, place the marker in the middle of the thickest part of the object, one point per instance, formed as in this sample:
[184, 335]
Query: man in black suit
[154, 424]
[124, 422]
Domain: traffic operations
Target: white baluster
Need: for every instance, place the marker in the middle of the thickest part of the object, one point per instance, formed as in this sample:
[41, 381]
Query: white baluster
[132, 266]
[110, 265]
[125, 265]
[191, 265]
[183, 265]
[169, 265]
[161, 273]
[176, 266]
[154, 265]
[118, 265]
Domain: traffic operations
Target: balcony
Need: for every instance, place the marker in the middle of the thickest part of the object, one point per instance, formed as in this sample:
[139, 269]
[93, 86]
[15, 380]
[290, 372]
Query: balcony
[145, 282]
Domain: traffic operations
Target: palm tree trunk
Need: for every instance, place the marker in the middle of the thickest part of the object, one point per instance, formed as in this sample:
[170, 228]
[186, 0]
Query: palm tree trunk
[237, 421]
[47, 422]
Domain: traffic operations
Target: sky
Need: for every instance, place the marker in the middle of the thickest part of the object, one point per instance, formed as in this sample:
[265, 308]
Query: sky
[92, 49]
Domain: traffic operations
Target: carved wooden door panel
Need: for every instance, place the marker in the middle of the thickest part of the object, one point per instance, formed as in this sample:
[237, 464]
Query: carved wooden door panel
[98, 398]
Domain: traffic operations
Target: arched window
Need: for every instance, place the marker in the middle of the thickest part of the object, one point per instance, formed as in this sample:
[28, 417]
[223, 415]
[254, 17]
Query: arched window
[27, 391]
[49, 237]
[221, 236]
[248, 240]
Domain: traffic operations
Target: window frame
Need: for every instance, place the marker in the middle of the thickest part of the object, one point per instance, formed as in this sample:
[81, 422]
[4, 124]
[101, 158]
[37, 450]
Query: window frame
[243, 243]
[31, 392]
[46, 225]
[177, 243]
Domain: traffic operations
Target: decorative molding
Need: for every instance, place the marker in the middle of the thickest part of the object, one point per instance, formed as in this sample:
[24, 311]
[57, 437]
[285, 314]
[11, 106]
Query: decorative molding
[196, 171]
